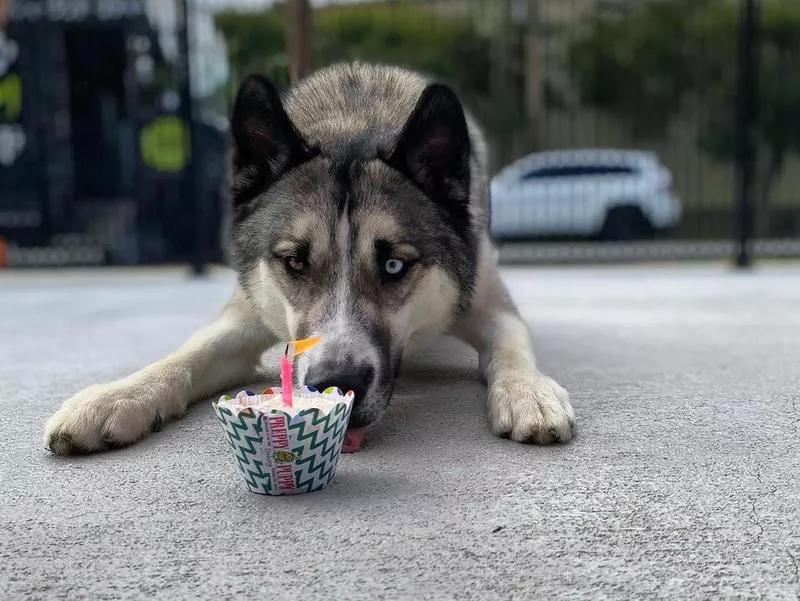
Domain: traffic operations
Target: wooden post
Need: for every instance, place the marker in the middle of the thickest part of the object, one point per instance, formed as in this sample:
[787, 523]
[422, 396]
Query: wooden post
[298, 38]
[534, 78]
[5, 12]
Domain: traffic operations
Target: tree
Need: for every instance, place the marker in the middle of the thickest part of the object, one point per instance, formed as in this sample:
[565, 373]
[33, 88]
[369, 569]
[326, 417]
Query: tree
[660, 60]
[413, 35]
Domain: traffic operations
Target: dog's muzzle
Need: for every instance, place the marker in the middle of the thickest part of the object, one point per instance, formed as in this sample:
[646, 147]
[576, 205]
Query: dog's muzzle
[345, 375]
[348, 360]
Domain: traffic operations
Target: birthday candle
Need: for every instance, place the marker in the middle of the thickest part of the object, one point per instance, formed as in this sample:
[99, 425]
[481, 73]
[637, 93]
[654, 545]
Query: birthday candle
[297, 347]
[286, 378]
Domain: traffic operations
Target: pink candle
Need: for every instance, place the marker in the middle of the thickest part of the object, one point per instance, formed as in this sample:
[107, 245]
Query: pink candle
[286, 379]
[297, 347]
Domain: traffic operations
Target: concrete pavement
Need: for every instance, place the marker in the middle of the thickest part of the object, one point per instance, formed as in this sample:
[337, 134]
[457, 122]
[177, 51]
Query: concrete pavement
[681, 484]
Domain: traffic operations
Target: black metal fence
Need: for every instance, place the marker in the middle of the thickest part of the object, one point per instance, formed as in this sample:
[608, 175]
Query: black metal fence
[619, 129]
[109, 154]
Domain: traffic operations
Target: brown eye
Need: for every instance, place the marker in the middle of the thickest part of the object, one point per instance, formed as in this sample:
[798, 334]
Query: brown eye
[294, 264]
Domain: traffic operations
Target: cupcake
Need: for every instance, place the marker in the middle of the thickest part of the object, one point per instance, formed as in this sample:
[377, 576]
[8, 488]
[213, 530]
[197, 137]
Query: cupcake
[286, 450]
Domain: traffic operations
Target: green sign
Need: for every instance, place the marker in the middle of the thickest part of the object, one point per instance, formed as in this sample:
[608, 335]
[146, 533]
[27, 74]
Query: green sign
[164, 144]
[10, 97]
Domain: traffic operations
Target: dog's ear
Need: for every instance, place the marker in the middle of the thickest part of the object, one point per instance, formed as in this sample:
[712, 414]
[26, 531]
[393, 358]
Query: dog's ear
[266, 143]
[434, 147]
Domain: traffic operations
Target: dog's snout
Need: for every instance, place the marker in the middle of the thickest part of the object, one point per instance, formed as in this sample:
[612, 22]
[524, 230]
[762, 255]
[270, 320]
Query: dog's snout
[345, 377]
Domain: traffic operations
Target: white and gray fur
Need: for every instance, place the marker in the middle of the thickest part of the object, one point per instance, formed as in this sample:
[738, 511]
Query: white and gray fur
[359, 212]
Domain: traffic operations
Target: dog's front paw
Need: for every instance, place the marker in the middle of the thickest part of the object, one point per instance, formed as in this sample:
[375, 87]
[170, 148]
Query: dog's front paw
[110, 416]
[530, 408]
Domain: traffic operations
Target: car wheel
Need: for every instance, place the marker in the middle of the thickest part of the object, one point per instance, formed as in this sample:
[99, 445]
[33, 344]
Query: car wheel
[625, 224]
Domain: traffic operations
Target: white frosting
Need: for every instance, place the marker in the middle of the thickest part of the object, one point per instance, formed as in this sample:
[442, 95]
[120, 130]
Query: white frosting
[265, 403]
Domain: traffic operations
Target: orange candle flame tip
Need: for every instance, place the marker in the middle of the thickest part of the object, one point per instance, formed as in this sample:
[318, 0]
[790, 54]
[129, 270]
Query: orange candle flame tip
[301, 346]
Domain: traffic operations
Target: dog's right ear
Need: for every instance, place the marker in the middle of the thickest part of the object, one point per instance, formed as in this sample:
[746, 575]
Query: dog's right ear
[266, 143]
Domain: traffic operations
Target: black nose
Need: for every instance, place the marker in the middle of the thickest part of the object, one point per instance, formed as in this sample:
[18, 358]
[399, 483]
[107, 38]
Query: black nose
[345, 377]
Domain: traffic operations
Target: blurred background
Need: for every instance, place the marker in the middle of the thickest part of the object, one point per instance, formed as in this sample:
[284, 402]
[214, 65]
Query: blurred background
[620, 130]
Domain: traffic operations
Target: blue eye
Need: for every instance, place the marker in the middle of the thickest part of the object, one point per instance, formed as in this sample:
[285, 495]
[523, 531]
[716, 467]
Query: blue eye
[394, 267]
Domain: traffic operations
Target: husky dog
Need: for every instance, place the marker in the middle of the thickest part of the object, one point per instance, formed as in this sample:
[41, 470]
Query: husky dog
[359, 213]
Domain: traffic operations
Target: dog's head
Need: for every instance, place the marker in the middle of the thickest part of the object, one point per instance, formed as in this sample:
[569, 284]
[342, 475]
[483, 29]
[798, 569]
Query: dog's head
[366, 241]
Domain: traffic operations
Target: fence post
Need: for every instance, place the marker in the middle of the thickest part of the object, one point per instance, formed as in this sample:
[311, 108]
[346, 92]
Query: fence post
[746, 122]
[192, 201]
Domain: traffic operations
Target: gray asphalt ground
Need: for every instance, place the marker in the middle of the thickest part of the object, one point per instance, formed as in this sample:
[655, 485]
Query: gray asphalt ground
[682, 482]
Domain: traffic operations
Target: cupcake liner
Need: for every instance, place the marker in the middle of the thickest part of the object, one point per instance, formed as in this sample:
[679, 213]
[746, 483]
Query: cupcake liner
[285, 451]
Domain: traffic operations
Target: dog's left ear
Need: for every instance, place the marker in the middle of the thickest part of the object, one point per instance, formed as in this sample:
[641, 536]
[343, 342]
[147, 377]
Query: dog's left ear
[266, 142]
[434, 148]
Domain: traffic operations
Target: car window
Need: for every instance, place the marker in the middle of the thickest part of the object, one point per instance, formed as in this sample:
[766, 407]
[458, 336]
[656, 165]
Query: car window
[576, 171]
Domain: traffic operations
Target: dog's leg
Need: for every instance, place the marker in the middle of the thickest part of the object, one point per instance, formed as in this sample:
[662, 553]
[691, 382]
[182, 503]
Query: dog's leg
[219, 355]
[523, 403]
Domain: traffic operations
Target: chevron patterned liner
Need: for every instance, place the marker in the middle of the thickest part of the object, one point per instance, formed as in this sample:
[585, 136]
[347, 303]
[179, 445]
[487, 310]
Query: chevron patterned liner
[280, 453]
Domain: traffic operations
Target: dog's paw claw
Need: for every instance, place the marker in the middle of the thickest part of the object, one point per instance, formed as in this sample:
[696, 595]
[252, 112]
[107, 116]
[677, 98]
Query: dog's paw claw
[109, 442]
[530, 409]
[61, 443]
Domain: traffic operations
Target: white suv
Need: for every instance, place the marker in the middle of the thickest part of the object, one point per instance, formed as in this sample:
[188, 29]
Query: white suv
[611, 194]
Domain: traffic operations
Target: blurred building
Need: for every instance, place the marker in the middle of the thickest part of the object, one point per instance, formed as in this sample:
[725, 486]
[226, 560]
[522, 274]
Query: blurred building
[94, 142]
